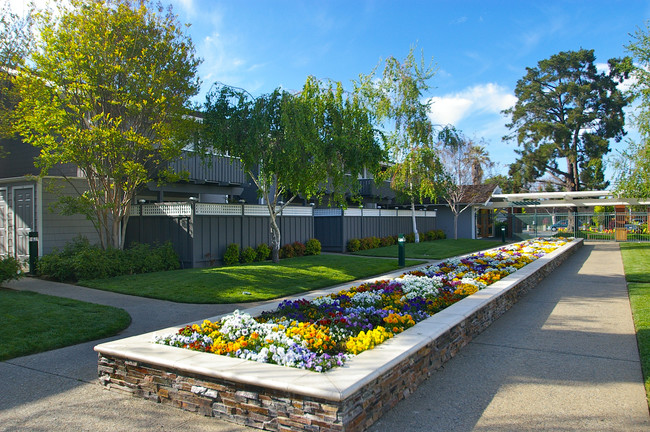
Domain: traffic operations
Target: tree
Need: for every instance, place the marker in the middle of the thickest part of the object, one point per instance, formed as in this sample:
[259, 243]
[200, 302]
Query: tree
[109, 92]
[309, 144]
[396, 100]
[478, 159]
[568, 110]
[458, 189]
[632, 166]
[16, 44]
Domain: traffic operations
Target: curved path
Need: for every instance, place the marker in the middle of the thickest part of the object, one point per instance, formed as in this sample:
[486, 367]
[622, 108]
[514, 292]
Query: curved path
[563, 358]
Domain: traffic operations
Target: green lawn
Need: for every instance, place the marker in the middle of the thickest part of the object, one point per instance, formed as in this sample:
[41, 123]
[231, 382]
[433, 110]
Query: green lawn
[263, 281]
[636, 259]
[33, 323]
[437, 249]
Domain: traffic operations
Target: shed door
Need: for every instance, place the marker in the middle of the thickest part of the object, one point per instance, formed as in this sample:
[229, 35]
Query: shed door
[4, 249]
[24, 219]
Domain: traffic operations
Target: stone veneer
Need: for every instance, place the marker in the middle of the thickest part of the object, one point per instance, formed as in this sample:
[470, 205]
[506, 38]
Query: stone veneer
[278, 398]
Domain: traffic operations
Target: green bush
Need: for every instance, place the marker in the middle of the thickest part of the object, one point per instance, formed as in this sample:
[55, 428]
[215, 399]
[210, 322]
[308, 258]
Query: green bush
[312, 247]
[354, 245]
[80, 260]
[441, 234]
[231, 256]
[10, 269]
[298, 249]
[262, 252]
[430, 235]
[410, 238]
[248, 255]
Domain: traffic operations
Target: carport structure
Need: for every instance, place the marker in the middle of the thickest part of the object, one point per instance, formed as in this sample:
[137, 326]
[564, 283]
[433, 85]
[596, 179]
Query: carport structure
[583, 214]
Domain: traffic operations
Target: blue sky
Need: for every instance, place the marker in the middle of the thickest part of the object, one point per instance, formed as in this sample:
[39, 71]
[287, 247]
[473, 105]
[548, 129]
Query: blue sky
[481, 48]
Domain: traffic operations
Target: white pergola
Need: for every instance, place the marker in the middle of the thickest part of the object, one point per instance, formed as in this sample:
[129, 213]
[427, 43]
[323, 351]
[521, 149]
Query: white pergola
[560, 199]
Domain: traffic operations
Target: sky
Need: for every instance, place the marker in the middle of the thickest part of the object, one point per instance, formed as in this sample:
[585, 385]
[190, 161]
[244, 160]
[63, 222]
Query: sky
[479, 48]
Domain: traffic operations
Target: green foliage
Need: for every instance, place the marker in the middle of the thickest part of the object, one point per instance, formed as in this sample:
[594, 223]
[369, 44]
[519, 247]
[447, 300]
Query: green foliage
[248, 255]
[310, 144]
[10, 269]
[312, 247]
[231, 255]
[353, 245]
[16, 44]
[109, 91]
[262, 252]
[397, 100]
[568, 110]
[632, 166]
[79, 260]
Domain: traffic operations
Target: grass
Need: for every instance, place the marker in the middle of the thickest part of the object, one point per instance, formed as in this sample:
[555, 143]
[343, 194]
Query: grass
[33, 323]
[636, 260]
[437, 249]
[262, 281]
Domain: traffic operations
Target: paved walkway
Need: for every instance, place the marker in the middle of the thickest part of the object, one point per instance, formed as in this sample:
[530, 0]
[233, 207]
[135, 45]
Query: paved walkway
[564, 358]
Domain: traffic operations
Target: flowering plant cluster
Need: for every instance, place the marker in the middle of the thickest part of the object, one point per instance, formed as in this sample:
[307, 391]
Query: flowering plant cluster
[323, 333]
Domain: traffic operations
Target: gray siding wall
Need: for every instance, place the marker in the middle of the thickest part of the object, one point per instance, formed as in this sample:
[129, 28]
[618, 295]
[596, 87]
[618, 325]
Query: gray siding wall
[446, 222]
[59, 229]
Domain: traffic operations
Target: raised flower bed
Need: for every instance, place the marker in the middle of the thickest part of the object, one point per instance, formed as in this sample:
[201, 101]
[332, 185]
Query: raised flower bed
[341, 332]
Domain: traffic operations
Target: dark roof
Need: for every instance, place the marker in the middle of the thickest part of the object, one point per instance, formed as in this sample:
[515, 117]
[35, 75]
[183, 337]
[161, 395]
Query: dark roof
[475, 194]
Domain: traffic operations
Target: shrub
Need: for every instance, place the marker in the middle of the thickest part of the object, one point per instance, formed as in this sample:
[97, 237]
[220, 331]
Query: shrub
[287, 251]
[248, 255]
[410, 238]
[441, 234]
[387, 241]
[81, 260]
[56, 266]
[365, 243]
[298, 249]
[10, 269]
[354, 245]
[312, 247]
[231, 256]
[430, 235]
[262, 252]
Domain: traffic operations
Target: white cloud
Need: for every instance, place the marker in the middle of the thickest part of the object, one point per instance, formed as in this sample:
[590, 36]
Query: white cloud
[487, 98]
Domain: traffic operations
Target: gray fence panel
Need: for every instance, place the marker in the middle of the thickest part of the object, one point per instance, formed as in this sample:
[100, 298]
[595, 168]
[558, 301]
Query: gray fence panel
[329, 231]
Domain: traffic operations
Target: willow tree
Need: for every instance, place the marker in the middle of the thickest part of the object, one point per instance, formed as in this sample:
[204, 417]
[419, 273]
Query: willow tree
[310, 144]
[108, 91]
[398, 103]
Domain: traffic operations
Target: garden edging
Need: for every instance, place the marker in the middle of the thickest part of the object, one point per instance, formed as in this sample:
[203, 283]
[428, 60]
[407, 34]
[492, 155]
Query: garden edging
[348, 398]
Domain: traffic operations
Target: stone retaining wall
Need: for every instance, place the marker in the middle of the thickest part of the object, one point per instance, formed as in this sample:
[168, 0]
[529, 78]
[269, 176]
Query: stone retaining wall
[372, 388]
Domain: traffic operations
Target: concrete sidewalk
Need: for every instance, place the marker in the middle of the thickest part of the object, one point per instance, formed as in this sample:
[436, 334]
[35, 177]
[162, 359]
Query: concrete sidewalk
[564, 358]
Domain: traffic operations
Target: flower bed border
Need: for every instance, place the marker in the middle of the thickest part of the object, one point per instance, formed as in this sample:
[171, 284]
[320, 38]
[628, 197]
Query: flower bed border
[279, 398]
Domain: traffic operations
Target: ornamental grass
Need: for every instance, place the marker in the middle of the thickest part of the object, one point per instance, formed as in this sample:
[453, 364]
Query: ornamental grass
[325, 332]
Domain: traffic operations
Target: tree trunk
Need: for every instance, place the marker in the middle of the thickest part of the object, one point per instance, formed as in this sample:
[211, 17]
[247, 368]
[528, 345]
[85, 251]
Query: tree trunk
[455, 226]
[275, 237]
[415, 225]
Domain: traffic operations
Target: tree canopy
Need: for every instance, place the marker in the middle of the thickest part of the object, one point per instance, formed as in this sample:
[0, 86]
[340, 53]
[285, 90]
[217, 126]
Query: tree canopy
[632, 166]
[311, 144]
[108, 91]
[16, 44]
[568, 110]
[399, 106]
